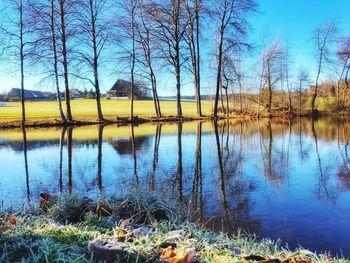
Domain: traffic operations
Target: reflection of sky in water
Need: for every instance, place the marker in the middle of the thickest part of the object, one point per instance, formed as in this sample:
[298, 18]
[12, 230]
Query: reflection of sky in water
[275, 184]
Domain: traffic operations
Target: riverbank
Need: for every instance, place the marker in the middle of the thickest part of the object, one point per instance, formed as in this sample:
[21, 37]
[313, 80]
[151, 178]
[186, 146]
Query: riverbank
[45, 114]
[132, 229]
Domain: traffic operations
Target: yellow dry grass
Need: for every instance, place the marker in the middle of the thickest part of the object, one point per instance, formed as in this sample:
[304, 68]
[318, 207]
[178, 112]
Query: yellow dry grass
[85, 109]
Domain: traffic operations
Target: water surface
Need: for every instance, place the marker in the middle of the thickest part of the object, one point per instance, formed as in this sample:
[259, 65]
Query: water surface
[287, 180]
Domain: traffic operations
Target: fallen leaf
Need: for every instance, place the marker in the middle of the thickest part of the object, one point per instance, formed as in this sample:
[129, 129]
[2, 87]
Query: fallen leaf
[171, 256]
[45, 197]
[189, 256]
[11, 220]
[168, 253]
[3, 229]
[42, 203]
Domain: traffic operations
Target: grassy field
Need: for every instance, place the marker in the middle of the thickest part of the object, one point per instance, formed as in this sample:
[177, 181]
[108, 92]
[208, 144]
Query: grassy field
[85, 109]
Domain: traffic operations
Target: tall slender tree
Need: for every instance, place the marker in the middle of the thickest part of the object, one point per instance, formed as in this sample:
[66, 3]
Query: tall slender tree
[273, 58]
[171, 26]
[126, 21]
[15, 31]
[231, 18]
[344, 58]
[145, 39]
[194, 10]
[324, 36]
[44, 51]
[95, 29]
[303, 78]
[64, 10]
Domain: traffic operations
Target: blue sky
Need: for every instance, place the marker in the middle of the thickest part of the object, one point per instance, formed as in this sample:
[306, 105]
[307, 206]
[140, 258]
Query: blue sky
[296, 20]
[292, 21]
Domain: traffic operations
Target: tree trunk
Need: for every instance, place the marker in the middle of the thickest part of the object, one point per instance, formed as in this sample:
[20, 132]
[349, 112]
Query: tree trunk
[55, 60]
[240, 88]
[155, 93]
[227, 104]
[346, 83]
[222, 100]
[218, 75]
[133, 58]
[65, 60]
[269, 104]
[95, 61]
[314, 95]
[339, 83]
[22, 63]
[178, 79]
[198, 86]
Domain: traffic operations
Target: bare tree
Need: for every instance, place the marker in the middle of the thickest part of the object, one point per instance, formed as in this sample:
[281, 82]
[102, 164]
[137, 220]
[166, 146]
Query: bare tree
[145, 39]
[95, 33]
[15, 29]
[323, 37]
[228, 69]
[344, 58]
[231, 16]
[237, 70]
[195, 10]
[273, 58]
[286, 77]
[127, 23]
[303, 77]
[65, 9]
[44, 51]
[171, 26]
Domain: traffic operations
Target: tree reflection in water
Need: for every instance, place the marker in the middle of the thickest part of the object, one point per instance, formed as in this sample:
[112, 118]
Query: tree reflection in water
[179, 175]
[60, 165]
[99, 158]
[25, 154]
[69, 153]
[323, 189]
[134, 156]
[155, 157]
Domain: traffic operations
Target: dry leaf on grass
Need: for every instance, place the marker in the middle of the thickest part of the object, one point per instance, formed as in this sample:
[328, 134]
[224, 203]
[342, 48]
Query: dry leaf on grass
[171, 256]
[11, 220]
[45, 197]
[3, 229]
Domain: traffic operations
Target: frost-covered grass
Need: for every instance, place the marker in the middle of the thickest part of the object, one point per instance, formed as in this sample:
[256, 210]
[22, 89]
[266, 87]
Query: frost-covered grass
[143, 225]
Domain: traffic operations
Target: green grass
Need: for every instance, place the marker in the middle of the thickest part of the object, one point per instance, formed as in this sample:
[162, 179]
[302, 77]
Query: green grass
[86, 109]
[47, 235]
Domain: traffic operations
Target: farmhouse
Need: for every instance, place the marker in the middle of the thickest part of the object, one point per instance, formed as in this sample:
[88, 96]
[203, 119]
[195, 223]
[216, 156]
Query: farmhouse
[15, 95]
[121, 90]
[75, 94]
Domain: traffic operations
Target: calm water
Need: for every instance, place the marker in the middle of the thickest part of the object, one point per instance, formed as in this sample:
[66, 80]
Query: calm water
[288, 180]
